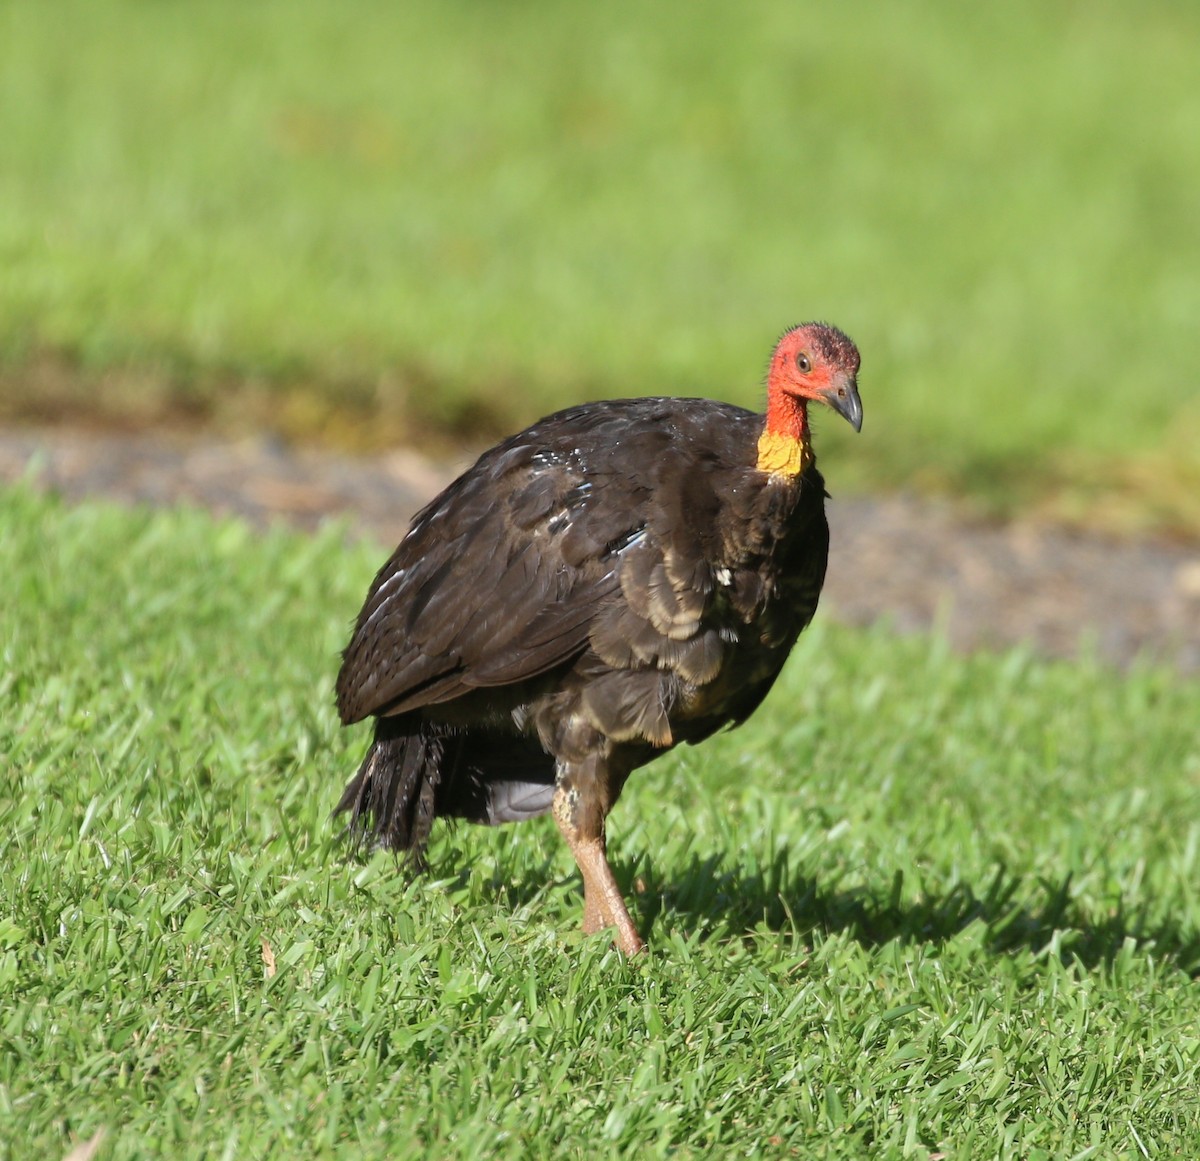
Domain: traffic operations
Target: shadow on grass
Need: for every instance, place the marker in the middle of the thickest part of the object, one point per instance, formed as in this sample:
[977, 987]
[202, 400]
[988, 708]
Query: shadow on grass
[1017, 914]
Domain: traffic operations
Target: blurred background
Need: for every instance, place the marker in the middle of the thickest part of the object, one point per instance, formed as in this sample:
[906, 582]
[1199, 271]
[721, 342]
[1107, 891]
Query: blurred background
[386, 224]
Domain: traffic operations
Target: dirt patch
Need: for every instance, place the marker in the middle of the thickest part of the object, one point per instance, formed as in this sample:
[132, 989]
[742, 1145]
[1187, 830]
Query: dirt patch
[913, 561]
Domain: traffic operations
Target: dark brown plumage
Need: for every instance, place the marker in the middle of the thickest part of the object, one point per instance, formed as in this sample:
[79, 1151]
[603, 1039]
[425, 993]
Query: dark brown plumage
[616, 579]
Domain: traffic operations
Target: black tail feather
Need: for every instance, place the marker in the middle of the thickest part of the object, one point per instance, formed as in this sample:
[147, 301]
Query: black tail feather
[416, 771]
[391, 798]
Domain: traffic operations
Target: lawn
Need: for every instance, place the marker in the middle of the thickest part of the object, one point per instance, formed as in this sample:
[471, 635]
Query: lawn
[922, 905]
[447, 218]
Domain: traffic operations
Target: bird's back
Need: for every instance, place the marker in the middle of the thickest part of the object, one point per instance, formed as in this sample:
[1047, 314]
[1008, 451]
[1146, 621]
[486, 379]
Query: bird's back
[629, 550]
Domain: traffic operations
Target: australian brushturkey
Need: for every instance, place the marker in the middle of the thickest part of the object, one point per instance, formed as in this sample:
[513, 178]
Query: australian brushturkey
[616, 579]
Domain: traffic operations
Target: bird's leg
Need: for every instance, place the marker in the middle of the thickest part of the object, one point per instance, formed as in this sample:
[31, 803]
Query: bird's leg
[603, 905]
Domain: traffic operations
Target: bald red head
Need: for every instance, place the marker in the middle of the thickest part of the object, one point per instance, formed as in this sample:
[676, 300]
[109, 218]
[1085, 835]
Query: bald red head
[812, 361]
[816, 361]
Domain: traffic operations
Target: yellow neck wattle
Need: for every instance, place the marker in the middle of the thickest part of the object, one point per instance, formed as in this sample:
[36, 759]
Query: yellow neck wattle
[782, 454]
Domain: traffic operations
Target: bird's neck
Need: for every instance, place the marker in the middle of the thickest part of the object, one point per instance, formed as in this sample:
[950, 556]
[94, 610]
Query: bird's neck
[784, 448]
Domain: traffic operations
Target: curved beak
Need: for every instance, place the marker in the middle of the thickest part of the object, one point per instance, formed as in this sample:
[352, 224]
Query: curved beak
[842, 396]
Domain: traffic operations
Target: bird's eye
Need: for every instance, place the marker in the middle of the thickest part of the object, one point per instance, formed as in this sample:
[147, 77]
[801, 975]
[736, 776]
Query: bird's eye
[803, 363]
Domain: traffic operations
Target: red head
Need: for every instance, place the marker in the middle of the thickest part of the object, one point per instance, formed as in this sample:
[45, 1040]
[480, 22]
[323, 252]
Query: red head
[812, 361]
[818, 362]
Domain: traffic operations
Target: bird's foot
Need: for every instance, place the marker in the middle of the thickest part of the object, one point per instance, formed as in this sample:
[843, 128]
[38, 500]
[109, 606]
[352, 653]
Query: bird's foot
[603, 904]
[626, 938]
[603, 909]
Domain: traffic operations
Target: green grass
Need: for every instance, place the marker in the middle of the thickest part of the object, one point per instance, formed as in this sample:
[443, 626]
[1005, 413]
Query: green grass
[456, 216]
[921, 904]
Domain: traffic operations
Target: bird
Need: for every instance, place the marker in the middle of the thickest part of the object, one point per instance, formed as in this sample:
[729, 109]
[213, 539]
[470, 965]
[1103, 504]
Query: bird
[620, 577]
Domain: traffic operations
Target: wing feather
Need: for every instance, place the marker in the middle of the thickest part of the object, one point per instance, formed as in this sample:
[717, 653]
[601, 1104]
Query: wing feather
[497, 582]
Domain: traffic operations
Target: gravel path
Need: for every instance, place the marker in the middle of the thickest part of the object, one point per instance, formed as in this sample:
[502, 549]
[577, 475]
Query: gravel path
[912, 561]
